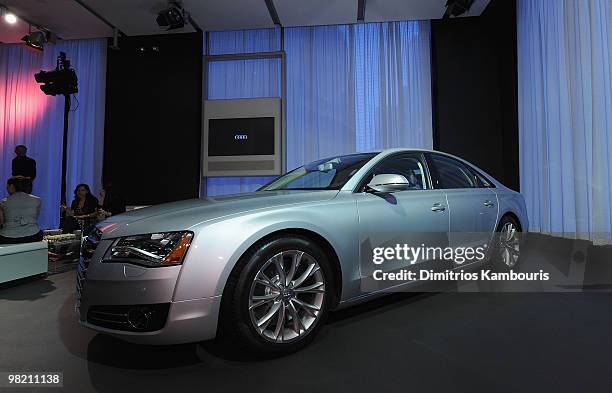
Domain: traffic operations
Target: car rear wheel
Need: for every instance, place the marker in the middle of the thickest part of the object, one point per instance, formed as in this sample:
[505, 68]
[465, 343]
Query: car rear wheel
[508, 243]
[279, 296]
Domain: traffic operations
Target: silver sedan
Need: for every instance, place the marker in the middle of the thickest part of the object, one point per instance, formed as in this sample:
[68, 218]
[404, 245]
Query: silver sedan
[264, 268]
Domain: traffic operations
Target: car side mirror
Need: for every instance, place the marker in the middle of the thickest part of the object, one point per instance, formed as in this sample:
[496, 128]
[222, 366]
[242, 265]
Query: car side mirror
[388, 183]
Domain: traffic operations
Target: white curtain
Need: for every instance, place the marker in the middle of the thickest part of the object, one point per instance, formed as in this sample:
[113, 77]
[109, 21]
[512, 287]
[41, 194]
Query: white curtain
[565, 115]
[349, 88]
[320, 93]
[357, 88]
[393, 85]
[29, 117]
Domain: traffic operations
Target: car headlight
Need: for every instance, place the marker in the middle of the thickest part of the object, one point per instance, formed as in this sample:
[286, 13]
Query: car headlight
[152, 250]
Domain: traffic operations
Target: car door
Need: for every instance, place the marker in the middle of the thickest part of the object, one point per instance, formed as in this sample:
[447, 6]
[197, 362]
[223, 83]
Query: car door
[416, 217]
[473, 205]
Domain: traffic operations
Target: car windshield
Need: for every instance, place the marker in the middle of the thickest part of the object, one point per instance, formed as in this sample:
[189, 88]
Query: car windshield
[327, 174]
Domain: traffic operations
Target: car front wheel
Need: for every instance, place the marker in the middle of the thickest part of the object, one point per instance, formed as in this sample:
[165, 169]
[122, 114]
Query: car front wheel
[280, 296]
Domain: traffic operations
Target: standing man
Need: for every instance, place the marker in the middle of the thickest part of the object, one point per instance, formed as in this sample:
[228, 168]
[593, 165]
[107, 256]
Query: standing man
[24, 166]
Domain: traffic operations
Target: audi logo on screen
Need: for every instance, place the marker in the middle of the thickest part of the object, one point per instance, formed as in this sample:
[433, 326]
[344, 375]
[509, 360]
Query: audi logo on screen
[249, 136]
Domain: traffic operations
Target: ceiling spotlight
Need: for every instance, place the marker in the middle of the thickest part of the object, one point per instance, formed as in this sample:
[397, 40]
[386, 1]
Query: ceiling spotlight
[36, 39]
[10, 18]
[457, 7]
[172, 17]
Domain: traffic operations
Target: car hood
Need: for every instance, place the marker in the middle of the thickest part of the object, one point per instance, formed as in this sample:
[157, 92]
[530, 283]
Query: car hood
[183, 215]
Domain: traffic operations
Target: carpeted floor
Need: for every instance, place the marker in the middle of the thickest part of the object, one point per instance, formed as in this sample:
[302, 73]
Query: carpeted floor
[444, 342]
[421, 342]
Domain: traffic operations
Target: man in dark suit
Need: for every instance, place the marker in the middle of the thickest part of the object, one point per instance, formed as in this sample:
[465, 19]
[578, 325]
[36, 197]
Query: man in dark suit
[24, 165]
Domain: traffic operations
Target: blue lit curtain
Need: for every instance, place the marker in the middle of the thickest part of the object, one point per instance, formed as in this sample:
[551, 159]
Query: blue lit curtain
[242, 79]
[29, 117]
[349, 88]
[393, 85]
[565, 115]
[320, 93]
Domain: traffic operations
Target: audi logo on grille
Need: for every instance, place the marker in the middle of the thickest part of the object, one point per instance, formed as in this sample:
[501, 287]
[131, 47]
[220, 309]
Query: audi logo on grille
[241, 137]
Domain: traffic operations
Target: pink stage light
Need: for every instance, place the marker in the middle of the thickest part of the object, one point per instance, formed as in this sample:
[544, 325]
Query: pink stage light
[22, 106]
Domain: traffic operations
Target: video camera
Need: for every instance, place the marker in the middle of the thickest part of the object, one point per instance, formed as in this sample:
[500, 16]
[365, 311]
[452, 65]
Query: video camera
[62, 80]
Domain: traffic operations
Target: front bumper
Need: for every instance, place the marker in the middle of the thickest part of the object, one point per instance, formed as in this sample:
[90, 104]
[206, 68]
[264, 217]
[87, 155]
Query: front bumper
[118, 284]
[188, 321]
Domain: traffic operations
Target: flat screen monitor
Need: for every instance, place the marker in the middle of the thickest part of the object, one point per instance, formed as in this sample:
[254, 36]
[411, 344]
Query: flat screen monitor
[242, 137]
[251, 136]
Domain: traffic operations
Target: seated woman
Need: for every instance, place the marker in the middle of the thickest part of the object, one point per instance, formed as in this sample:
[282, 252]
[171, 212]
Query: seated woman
[84, 206]
[110, 202]
[19, 213]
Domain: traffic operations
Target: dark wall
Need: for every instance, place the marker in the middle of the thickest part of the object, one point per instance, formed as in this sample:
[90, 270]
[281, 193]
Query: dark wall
[474, 73]
[154, 100]
[153, 117]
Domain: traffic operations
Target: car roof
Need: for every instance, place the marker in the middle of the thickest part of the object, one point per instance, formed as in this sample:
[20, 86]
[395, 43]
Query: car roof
[406, 149]
[381, 154]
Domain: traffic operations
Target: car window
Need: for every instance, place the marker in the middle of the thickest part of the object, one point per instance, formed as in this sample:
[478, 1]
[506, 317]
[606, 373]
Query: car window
[410, 166]
[328, 174]
[450, 173]
[481, 181]
[310, 180]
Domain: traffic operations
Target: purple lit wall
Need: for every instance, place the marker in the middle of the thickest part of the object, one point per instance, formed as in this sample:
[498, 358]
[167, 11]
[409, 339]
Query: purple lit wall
[29, 117]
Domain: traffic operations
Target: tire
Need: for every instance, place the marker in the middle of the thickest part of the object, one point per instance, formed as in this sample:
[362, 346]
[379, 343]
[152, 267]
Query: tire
[259, 311]
[509, 244]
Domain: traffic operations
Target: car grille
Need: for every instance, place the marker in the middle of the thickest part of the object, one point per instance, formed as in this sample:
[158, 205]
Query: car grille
[135, 318]
[79, 285]
[88, 247]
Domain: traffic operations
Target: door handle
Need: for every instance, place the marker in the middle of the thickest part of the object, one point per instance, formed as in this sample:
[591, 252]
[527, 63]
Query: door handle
[438, 207]
[488, 203]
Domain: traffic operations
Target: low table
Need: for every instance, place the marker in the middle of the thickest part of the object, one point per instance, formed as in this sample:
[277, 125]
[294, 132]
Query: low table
[22, 260]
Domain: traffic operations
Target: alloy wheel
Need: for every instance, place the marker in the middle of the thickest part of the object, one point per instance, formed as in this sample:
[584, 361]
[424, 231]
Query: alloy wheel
[287, 296]
[509, 244]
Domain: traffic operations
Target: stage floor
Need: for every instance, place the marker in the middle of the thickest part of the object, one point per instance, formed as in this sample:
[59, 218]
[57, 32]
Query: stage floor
[471, 342]
[420, 342]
